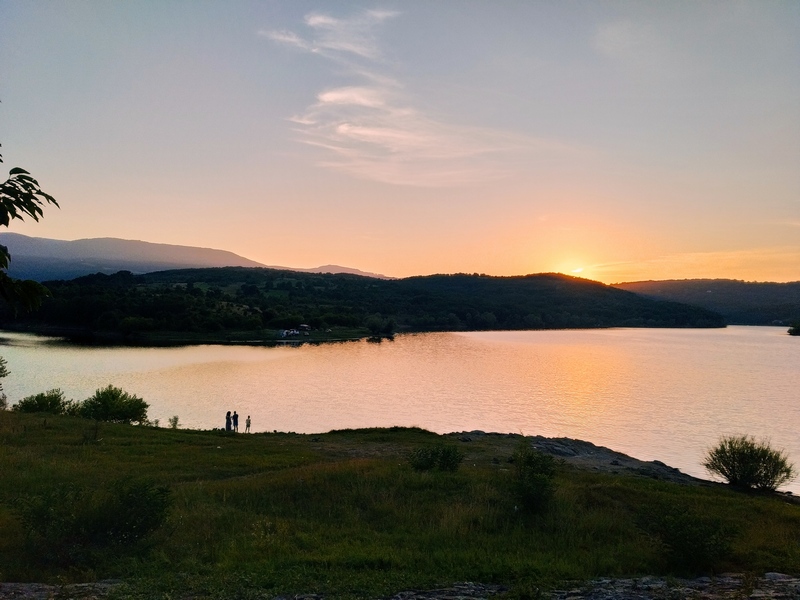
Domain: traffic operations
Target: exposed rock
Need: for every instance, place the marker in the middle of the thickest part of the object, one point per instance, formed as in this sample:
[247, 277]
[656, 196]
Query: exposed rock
[41, 591]
[459, 591]
[586, 455]
[729, 586]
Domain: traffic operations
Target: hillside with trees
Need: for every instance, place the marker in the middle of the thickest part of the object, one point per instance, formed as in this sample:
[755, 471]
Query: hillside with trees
[256, 304]
[740, 302]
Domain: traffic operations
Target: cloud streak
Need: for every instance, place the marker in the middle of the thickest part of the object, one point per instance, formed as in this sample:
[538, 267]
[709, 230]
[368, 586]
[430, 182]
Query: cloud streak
[371, 130]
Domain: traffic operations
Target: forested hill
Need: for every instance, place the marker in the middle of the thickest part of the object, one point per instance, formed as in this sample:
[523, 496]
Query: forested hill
[740, 302]
[246, 303]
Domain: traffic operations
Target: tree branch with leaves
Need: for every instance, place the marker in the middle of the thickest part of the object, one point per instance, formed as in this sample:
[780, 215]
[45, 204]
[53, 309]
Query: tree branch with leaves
[20, 196]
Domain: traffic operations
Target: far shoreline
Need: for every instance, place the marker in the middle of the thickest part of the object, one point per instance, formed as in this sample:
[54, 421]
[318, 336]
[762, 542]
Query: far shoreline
[76, 337]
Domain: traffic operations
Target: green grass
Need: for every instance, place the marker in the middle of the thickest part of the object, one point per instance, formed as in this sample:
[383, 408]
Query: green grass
[344, 514]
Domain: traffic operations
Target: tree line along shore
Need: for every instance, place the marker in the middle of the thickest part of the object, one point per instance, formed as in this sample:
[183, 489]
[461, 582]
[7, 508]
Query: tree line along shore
[260, 305]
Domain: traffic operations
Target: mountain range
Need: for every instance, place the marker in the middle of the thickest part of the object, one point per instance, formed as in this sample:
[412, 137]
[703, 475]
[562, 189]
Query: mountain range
[43, 259]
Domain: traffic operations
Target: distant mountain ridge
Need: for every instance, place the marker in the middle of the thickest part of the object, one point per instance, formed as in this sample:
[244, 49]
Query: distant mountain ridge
[43, 259]
[740, 302]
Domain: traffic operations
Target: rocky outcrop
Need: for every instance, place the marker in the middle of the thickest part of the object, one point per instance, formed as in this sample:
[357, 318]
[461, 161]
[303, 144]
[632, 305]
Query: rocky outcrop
[599, 458]
[772, 586]
[729, 586]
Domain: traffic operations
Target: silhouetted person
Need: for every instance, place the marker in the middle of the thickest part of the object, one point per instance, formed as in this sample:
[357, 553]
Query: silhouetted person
[247, 424]
[228, 421]
[235, 419]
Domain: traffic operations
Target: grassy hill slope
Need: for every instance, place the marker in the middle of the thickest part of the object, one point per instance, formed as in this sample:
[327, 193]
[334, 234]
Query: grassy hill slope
[344, 514]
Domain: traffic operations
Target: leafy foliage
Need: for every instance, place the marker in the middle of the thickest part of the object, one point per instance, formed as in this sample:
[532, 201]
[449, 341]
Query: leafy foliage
[533, 477]
[795, 328]
[744, 462]
[114, 405]
[51, 401]
[110, 404]
[441, 457]
[20, 196]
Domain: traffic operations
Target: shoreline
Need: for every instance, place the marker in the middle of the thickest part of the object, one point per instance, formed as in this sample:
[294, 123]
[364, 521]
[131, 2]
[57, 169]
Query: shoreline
[587, 456]
[85, 338]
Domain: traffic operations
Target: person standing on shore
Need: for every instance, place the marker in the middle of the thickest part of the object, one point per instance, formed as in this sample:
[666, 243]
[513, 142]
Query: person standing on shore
[247, 424]
[228, 421]
[235, 419]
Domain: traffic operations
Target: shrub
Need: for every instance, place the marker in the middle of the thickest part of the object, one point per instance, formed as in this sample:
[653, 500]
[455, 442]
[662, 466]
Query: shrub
[115, 406]
[422, 459]
[745, 463]
[693, 542]
[441, 457]
[51, 401]
[173, 422]
[533, 477]
[66, 526]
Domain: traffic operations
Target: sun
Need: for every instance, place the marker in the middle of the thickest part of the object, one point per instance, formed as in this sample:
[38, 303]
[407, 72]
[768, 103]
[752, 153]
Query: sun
[578, 270]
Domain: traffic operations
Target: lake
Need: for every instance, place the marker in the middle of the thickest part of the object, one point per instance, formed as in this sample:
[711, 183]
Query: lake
[665, 394]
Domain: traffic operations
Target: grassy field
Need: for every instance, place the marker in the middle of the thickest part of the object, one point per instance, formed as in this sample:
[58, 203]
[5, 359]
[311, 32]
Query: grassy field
[344, 514]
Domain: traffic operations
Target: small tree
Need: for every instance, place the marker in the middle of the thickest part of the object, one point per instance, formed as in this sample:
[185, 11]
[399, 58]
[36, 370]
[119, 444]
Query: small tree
[533, 477]
[20, 196]
[441, 457]
[744, 462]
[114, 405]
[51, 401]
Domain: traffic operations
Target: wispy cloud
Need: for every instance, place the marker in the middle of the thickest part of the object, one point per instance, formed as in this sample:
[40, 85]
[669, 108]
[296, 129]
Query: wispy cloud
[619, 38]
[333, 36]
[371, 129]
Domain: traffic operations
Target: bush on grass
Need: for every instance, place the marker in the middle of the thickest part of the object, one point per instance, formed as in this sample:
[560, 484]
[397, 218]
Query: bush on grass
[533, 477]
[114, 405]
[745, 463]
[66, 526]
[441, 457]
[693, 542]
[51, 401]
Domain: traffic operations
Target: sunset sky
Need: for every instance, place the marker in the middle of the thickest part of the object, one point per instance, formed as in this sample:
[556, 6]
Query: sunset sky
[614, 140]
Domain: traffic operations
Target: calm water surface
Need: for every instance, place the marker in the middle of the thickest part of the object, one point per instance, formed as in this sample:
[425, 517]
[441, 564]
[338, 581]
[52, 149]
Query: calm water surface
[651, 393]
